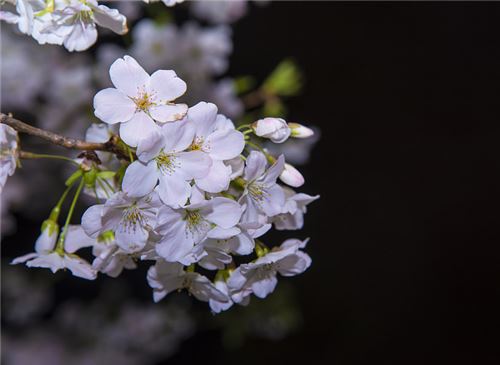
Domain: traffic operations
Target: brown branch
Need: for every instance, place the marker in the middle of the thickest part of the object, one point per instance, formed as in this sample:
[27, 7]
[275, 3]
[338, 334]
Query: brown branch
[112, 145]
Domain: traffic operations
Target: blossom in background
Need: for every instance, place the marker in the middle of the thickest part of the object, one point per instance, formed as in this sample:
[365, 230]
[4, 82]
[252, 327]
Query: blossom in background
[138, 100]
[8, 153]
[220, 12]
[71, 23]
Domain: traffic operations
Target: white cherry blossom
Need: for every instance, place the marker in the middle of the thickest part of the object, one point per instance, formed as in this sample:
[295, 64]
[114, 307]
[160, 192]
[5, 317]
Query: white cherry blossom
[130, 219]
[163, 158]
[182, 229]
[8, 153]
[165, 277]
[139, 100]
[46, 256]
[292, 215]
[216, 137]
[259, 277]
[262, 197]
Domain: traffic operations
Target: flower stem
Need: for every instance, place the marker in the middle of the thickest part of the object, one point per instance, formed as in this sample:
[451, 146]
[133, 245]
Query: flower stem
[62, 237]
[31, 155]
[270, 158]
[243, 126]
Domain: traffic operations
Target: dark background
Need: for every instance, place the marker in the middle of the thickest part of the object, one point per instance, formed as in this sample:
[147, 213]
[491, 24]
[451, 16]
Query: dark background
[405, 238]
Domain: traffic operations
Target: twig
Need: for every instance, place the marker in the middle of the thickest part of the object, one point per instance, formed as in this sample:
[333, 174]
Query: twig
[112, 145]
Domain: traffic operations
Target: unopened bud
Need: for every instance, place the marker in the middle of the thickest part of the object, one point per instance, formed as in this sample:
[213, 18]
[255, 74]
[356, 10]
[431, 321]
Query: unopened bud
[300, 131]
[276, 129]
[291, 176]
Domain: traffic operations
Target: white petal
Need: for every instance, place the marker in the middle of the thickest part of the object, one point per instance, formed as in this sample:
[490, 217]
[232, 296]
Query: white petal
[79, 267]
[131, 237]
[225, 144]
[193, 164]
[76, 238]
[51, 261]
[273, 201]
[173, 190]
[167, 86]
[82, 36]
[217, 179]
[255, 165]
[128, 76]
[24, 258]
[223, 212]
[275, 170]
[262, 288]
[150, 146]
[92, 220]
[168, 113]
[46, 241]
[112, 106]
[175, 242]
[141, 126]
[203, 115]
[178, 135]
[111, 19]
[140, 179]
[294, 264]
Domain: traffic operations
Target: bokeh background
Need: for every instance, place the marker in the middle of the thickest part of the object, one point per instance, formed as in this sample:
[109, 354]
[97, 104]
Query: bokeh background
[405, 237]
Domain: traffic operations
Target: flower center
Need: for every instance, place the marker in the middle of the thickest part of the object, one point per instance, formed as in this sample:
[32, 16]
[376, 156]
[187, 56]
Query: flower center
[197, 144]
[132, 217]
[143, 101]
[257, 191]
[166, 163]
[193, 219]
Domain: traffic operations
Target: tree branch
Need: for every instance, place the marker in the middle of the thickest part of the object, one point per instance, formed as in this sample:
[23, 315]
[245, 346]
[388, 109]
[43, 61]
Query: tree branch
[110, 146]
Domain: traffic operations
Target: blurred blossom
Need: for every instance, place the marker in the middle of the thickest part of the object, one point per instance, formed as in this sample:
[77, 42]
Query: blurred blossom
[219, 12]
[24, 72]
[25, 298]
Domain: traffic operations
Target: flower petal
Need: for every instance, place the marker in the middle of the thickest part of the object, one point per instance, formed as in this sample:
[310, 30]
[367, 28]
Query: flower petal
[217, 179]
[128, 76]
[141, 126]
[168, 113]
[225, 144]
[140, 179]
[112, 106]
[167, 86]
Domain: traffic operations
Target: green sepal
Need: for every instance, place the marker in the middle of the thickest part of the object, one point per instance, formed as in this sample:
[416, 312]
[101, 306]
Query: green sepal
[106, 174]
[75, 176]
[50, 226]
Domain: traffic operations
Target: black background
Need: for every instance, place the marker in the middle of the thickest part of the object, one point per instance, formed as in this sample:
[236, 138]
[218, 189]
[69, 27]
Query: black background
[405, 238]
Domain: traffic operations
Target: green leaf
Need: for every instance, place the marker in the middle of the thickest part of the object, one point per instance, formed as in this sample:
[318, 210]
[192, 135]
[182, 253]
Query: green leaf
[285, 80]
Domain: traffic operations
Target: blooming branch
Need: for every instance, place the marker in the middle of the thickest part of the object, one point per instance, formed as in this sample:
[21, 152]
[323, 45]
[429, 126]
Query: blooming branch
[112, 145]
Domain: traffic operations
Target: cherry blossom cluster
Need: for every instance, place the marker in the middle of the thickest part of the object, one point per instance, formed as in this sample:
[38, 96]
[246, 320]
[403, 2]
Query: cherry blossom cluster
[187, 190]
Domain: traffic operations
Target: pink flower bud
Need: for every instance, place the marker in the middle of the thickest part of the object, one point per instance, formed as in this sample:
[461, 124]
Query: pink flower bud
[291, 176]
[275, 129]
